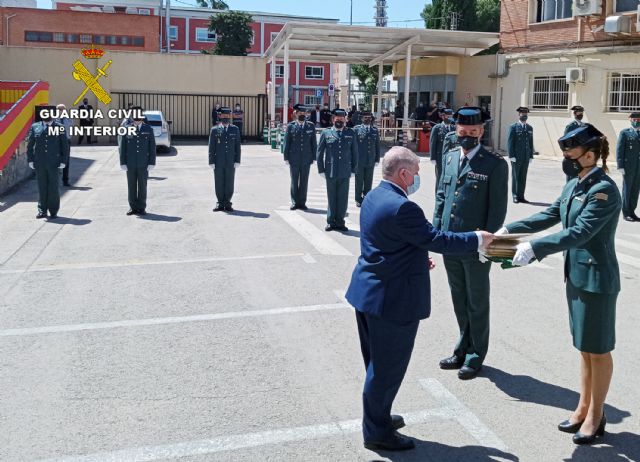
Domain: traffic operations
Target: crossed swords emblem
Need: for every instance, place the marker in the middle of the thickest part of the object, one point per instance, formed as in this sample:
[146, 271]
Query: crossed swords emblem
[91, 81]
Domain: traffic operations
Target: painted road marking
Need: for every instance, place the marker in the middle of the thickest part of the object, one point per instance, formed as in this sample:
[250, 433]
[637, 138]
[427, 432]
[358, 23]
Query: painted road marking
[317, 238]
[451, 409]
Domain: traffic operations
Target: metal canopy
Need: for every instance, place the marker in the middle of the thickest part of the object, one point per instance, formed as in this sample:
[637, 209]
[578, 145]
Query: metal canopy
[339, 43]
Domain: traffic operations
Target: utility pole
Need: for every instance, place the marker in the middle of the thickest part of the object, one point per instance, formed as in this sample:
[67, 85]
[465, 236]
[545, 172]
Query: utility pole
[168, 24]
[381, 13]
[349, 77]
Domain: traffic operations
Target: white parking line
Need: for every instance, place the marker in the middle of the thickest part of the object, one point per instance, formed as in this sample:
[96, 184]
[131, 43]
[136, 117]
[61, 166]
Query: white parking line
[318, 239]
[451, 409]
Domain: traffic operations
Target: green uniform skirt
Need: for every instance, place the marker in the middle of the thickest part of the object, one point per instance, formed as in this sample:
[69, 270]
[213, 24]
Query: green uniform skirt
[592, 318]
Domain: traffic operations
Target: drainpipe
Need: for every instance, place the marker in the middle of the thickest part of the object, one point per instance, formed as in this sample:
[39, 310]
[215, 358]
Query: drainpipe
[9, 17]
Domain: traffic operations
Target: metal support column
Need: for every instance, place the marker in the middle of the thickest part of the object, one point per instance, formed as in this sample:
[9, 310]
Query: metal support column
[285, 90]
[407, 79]
[380, 76]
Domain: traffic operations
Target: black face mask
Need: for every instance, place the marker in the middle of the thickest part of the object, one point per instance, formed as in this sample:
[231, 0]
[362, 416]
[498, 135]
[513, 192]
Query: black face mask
[339, 124]
[301, 117]
[468, 142]
[523, 118]
[579, 116]
[571, 167]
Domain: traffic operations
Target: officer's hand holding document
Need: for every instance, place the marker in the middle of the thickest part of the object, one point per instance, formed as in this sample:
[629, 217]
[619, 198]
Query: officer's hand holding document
[510, 250]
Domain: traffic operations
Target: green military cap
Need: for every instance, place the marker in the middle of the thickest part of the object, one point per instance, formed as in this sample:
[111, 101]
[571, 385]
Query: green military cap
[577, 109]
[587, 136]
[634, 115]
[339, 113]
[470, 116]
[522, 109]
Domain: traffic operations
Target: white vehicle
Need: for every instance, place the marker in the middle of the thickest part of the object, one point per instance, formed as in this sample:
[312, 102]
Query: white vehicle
[161, 129]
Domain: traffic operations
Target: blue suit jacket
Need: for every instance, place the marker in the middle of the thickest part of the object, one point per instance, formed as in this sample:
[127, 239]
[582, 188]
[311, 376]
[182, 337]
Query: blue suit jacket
[391, 278]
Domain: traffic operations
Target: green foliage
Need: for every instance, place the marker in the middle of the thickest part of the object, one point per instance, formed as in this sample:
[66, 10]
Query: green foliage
[473, 15]
[368, 76]
[233, 29]
[488, 12]
[215, 4]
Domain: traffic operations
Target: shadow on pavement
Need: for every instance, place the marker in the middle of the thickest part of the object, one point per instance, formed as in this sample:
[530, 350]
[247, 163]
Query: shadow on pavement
[432, 451]
[531, 390]
[157, 178]
[77, 188]
[156, 217]
[316, 211]
[615, 447]
[244, 213]
[171, 152]
[60, 220]
[538, 204]
[352, 233]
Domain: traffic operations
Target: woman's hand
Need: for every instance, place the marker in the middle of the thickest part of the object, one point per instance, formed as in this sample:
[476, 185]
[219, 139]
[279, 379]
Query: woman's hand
[432, 264]
[524, 254]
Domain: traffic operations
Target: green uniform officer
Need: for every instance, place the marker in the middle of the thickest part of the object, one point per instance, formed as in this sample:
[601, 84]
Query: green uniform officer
[589, 210]
[300, 148]
[450, 142]
[224, 159]
[368, 140]
[436, 140]
[628, 158]
[520, 150]
[337, 158]
[472, 195]
[47, 154]
[578, 116]
[138, 158]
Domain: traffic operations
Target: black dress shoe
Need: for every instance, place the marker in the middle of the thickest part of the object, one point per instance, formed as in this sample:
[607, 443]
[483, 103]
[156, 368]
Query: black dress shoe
[293, 207]
[142, 212]
[53, 216]
[131, 212]
[515, 200]
[329, 228]
[468, 372]
[397, 443]
[452, 362]
[628, 218]
[218, 208]
[358, 204]
[524, 201]
[397, 422]
[568, 427]
[635, 217]
[303, 207]
[342, 229]
[41, 215]
[228, 208]
[581, 438]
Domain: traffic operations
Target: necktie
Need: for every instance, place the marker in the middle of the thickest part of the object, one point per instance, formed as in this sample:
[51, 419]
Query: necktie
[465, 161]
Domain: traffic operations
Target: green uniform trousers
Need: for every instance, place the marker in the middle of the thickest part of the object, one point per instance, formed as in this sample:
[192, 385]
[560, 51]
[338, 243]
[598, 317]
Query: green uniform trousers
[48, 190]
[338, 195]
[137, 184]
[224, 179]
[519, 170]
[299, 184]
[364, 181]
[630, 191]
[469, 283]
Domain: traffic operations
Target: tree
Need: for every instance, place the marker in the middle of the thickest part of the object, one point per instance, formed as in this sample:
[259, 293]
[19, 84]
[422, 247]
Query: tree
[470, 15]
[233, 30]
[215, 4]
[488, 12]
[368, 78]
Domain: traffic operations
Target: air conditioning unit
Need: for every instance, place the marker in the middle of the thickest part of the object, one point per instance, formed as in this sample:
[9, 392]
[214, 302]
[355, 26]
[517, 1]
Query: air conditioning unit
[587, 7]
[131, 10]
[617, 25]
[575, 74]
[108, 9]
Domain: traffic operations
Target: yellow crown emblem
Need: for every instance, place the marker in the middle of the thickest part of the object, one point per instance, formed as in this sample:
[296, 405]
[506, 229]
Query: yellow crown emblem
[92, 52]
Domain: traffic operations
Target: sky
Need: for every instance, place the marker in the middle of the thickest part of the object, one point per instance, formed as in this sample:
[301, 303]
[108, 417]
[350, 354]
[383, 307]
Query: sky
[405, 12]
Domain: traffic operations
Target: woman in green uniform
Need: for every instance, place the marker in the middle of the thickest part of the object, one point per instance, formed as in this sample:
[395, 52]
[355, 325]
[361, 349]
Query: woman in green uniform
[588, 208]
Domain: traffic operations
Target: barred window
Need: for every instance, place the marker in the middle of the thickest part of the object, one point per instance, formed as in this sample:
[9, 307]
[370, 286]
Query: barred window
[548, 93]
[552, 10]
[623, 92]
[58, 37]
[86, 38]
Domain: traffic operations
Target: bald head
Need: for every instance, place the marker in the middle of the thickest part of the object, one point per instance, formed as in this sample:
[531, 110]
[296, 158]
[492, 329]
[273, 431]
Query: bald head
[399, 166]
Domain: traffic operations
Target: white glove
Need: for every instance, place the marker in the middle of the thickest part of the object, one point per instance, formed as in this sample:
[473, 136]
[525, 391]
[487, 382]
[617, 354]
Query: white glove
[524, 254]
[323, 175]
[286, 162]
[150, 167]
[123, 168]
[353, 175]
[502, 231]
[434, 162]
[621, 170]
[376, 164]
[213, 166]
[31, 166]
[61, 166]
[512, 159]
[236, 165]
[530, 159]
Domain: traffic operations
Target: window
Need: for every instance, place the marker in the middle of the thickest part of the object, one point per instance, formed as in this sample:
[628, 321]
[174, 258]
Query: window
[72, 38]
[58, 37]
[124, 40]
[273, 36]
[279, 71]
[144, 11]
[113, 40]
[623, 92]
[552, 10]
[173, 32]
[138, 41]
[314, 72]
[627, 5]
[86, 38]
[310, 100]
[548, 93]
[253, 38]
[100, 39]
[205, 35]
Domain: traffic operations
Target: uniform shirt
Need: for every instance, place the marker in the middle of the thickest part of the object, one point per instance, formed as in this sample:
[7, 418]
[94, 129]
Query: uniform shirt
[44, 150]
[138, 150]
[300, 145]
[628, 151]
[368, 141]
[224, 146]
[520, 141]
[337, 153]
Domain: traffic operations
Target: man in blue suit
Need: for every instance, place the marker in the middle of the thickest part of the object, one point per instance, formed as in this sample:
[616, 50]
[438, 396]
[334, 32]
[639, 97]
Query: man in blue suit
[390, 289]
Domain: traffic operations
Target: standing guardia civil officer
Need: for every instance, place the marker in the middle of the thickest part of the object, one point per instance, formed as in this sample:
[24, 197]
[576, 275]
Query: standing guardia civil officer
[390, 289]
[472, 195]
[520, 150]
[224, 159]
[436, 140]
[138, 158]
[578, 116]
[368, 140]
[588, 209]
[337, 158]
[47, 154]
[628, 159]
[300, 148]
[238, 119]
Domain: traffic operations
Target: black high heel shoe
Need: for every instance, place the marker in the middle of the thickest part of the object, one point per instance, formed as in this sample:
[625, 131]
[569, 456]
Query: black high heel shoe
[581, 438]
[568, 427]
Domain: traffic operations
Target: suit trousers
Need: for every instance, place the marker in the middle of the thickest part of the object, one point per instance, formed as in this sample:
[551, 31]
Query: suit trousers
[224, 179]
[299, 183]
[519, 171]
[137, 184]
[364, 181]
[630, 191]
[386, 350]
[338, 195]
[470, 291]
[65, 171]
[48, 190]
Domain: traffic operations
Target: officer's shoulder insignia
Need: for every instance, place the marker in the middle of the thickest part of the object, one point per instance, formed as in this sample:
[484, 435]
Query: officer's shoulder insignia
[602, 196]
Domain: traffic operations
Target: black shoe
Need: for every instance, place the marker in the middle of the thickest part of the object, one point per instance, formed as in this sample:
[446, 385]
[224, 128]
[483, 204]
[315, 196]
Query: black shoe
[452, 362]
[468, 372]
[342, 229]
[293, 207]
[358, 204]
[218, 208]
[131, 212]
[41, 215]
[397, 422]
[635, 217]
[141, 212]
[581, 438]
[515, 200]
[228, 208]
[523, 200]
[629, 218]
[329, 228]
[397, 443]
[53, 216]
[303, 207]
[568, 427]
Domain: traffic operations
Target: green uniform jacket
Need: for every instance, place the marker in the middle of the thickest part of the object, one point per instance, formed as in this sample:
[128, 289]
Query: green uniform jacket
[572, 126]
[368, 146]
[300, 144]
[337, 153]
[589, 212]
[628, 151]
[520, 142]
[224, 146]
[139, 150]
[474, 198]
[436, 140]
[450, 142]
[44, 150]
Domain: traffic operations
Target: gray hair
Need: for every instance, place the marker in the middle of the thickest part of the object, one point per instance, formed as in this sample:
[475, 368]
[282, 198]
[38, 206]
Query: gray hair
[396, 158]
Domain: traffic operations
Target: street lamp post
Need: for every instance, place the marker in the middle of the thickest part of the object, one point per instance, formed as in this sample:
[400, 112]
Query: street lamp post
[349, 77]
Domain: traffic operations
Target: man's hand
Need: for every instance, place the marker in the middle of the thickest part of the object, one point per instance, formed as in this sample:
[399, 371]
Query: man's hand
[286, 162]
[524, 254]
[150, 167]
[123, 168]
[236, 165]
[530, 159]
[512, 159]
[621, 170]
[31, 166]
[213, 166]
[432, 264]
[486, 237]
[323, 175]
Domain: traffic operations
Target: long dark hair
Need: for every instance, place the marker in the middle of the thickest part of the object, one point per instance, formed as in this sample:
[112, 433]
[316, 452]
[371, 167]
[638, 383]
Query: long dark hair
[601, 151]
